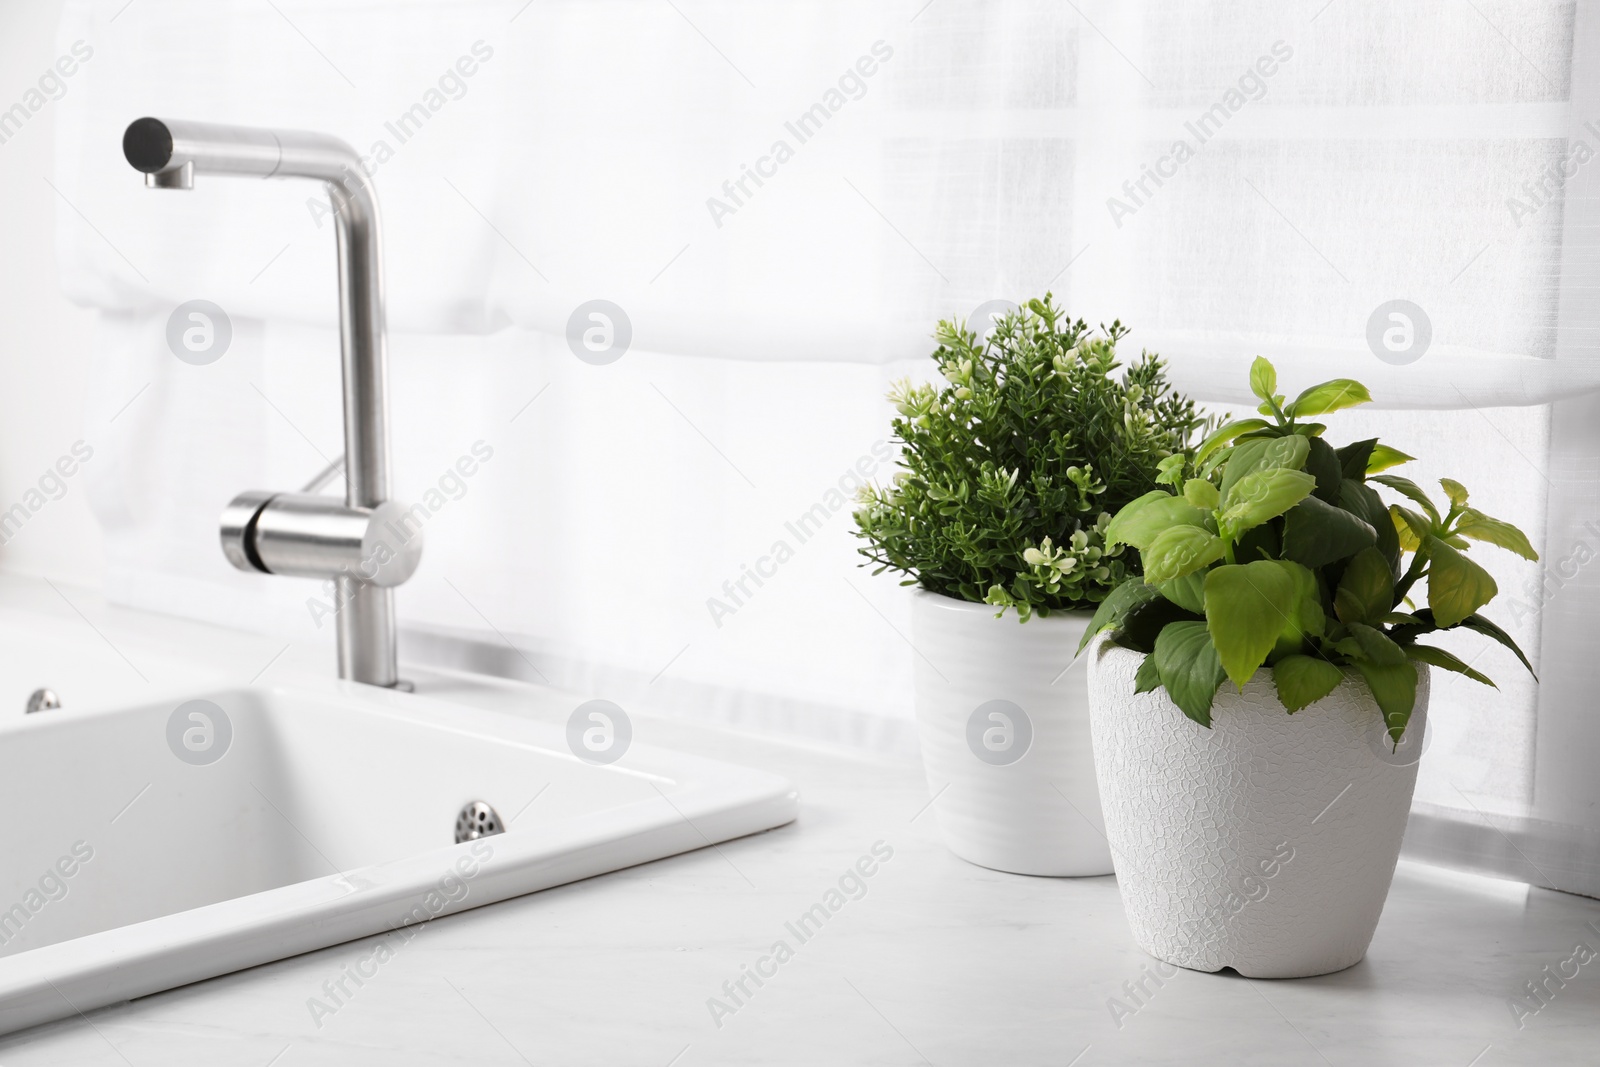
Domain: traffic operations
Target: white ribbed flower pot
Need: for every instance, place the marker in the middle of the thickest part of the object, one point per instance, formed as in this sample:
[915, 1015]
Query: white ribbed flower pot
[1266, 843]
[1004, 725]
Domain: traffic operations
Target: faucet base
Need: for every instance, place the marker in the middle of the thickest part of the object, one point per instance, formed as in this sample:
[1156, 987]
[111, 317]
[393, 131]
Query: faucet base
[366, 632]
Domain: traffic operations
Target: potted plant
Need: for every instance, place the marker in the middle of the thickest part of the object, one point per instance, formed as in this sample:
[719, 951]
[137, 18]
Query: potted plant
[1010, 471]
[1260, 693]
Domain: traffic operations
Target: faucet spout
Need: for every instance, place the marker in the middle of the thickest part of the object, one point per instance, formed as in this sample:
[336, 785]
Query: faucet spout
[171, 154]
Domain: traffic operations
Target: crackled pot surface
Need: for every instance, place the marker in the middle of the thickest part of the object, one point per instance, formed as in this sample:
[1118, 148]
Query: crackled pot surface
[1266, 843]
[1003, 720]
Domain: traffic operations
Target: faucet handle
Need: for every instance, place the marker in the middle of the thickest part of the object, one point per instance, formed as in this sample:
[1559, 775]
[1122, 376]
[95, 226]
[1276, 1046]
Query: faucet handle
[306, 535]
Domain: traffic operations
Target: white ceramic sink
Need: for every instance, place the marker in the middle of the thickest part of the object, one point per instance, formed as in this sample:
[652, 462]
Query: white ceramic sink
[128, 869]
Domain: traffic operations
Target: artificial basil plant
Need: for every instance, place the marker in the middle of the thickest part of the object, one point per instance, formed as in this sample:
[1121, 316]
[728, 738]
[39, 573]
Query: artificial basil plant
[1272, 549]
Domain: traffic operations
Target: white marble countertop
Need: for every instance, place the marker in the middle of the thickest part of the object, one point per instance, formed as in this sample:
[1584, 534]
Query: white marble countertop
[937, 962]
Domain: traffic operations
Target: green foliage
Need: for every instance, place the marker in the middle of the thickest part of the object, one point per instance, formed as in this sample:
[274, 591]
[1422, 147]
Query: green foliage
[1303, 680]
[1457, 587]
[1143, 520]
[1247, 606]
[1180, 550]
[1189, 667]
[1012, 469]
[1274, 550]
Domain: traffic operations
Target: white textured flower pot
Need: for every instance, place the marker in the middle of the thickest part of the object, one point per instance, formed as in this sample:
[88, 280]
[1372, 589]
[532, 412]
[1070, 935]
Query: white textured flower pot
[1266, 843]
[1004, 725]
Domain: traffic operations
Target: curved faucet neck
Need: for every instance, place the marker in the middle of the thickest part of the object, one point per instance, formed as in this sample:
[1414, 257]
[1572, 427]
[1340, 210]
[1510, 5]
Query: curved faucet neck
[172, 153]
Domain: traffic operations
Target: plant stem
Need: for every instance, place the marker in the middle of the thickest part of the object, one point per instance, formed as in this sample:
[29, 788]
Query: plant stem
[1283, 420]
[1413, 572]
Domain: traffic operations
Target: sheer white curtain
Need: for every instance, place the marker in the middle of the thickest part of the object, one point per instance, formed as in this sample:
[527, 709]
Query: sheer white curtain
[783, 198]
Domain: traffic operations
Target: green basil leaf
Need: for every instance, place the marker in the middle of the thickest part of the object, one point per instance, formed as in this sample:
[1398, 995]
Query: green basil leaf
[1316, 533]
[1360, 499]
[1179, 551]
[1383, 457]
[1265, 453]
[1264, 495]
[1225, 433]
[1322, 463]
[1440, 658]
[1307, 618]
[1479, 624]
[1115, 607]
[1366, 590]
[1330, 396]
[1201, 494]
[1263, 379]
[1422, 622]
[1372, 645]
[1303, 680]
[1410, 489]
[1421, 529]
[1346, 606]
[1409, 541]
[1170, 470]
[1394, 687]
[1148, 678]
[1355, 456]
[1141, 521]
[1399, 618]
[1480, 527]
[1247, 607]
[1455, 491]
[1188, 592]
[1189, 667]
[1457, 587]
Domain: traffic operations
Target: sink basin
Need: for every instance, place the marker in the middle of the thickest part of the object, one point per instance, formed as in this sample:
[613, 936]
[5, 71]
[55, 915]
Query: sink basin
[146, 848]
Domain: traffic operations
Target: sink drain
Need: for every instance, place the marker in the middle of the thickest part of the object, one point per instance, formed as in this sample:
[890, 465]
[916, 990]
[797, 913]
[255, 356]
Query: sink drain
[477, 820]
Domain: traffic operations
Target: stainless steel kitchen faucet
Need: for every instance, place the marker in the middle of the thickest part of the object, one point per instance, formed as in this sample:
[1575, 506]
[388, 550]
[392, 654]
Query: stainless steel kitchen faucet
[363, 545]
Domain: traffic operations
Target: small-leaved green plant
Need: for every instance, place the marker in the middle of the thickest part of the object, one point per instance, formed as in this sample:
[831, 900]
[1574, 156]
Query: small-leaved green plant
[1011, 469]
[1270, 548]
